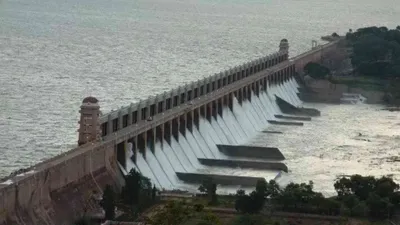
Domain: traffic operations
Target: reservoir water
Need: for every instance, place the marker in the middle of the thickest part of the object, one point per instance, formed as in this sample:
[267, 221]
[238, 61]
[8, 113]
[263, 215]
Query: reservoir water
[55, 53]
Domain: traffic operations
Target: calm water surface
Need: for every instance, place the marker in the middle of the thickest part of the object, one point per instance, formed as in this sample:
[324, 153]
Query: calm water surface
[53, 53]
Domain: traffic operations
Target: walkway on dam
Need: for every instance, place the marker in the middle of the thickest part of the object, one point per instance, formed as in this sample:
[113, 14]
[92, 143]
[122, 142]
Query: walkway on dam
[158, 119]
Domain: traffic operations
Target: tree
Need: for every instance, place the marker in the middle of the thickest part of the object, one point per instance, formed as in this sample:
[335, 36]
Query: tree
[345, 211]
[368, 195]
[272, 189]
[316, 70]
[252, 203]
[137, 189]
[328, 206]
[257, 201]
[350, 201]
[241, 200]
[385, 186]
[298, 197]
[358, 185]
[379, 207]
[209, 187]
[261, 187]
[360, 210]
[343, 186]
[154, 193]
[108, 203]
[376, 51]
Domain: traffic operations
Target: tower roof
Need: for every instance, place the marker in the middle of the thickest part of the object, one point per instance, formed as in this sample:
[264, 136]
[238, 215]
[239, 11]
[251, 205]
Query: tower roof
[90, 99]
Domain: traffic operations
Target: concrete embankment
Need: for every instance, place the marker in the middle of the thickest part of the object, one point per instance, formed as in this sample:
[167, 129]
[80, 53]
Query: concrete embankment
[60, 190]
[288, 108]
[328, 92]
[198, 178]
[245, 164]
[251, 152]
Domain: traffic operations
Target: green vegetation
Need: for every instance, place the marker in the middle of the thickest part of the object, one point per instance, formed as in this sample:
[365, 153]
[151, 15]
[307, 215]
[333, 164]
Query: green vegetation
[376, 51]
[108, 203]
[210, 188]
[357, 197]
[176, 213]
[375, 58]
[316, 70]
[137, 195]
[376, 54]
[254, 202]
[368, 196]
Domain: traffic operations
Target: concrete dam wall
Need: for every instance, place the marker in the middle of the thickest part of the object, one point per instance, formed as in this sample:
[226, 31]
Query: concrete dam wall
[163, 137]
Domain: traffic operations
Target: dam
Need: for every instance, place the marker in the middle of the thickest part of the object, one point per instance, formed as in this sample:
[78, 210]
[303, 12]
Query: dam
[174, 138]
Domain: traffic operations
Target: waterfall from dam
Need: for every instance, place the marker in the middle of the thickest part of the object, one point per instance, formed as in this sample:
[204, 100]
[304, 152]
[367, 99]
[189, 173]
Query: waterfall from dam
[234, 127]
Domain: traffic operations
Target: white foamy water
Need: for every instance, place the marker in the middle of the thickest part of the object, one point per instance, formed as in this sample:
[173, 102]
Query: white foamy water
[147, 170]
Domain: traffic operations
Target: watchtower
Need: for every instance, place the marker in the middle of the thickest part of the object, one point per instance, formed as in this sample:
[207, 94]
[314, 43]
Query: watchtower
[284, 45]
[89, 129]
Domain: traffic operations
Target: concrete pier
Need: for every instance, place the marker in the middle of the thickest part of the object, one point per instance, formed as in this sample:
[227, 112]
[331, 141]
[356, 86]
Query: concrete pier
[287, 123]
[272, 132]
[300, 118]
[198, 178]
[245, 164]
[288, 108]
[251, 152]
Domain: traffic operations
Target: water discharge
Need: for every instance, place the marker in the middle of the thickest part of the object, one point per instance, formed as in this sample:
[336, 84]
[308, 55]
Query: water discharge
[236, 126]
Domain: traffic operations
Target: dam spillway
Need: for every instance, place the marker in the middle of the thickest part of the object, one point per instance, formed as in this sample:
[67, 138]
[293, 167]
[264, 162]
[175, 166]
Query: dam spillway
[233, 126]
[164, 137]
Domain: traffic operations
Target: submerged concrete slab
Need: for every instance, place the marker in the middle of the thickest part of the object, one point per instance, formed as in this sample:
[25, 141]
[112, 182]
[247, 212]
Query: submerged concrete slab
[244, 164]
[251, 152]
[287, 123]
[301, 118]
[288, 108]
[198, 178]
